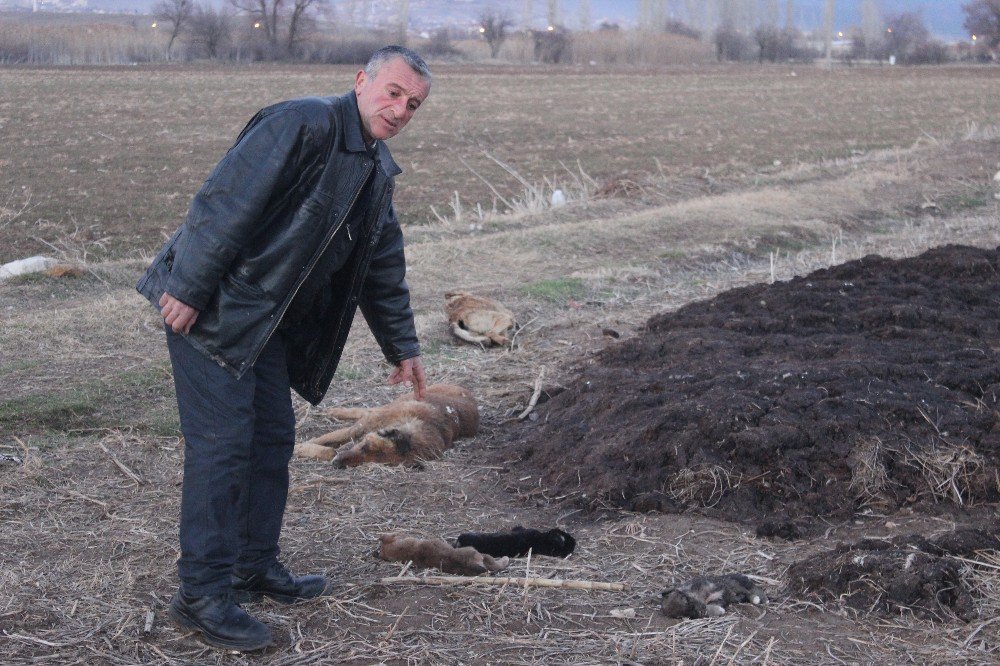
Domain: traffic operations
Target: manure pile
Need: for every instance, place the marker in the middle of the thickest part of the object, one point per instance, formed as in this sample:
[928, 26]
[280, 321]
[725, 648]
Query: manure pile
[869, 384]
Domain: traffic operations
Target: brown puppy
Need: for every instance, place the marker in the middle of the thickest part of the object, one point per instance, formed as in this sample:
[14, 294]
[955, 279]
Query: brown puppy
[477, 319]
[403, 431]
[439, 554]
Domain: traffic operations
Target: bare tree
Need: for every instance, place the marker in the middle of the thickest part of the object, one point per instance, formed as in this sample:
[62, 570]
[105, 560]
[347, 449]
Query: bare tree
[749, 14]
[871, 42]
[828, 17]
[645, 14]
[177, 13]
[982, 19]
[771, 14]
[493, 26]
[211, 32]
[282, 21]
[553, 11]
[585, 15]
[728, 14]
[350, 11]
[654, 15]
[403, 19]
[695, 13]
[298, 21]
[905, 33]
[789, 14]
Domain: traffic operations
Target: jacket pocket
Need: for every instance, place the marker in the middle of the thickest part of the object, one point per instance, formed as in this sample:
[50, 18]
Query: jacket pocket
[243, 289]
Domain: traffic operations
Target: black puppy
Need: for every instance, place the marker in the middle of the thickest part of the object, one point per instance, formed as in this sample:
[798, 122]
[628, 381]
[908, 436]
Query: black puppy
[519, 541]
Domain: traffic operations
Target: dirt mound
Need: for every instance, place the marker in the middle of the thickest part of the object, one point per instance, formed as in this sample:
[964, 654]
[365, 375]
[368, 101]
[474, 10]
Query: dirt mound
[906, 573]
[872, 383]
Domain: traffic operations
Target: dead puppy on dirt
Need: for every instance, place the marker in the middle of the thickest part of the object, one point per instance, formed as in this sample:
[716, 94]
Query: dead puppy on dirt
[477, 319]
[519, 541]
[438, 554]
[708, 596]
[404, 431]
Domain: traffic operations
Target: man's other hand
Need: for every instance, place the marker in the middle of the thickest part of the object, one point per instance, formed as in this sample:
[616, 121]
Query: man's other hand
[410, 371]
[178, 315]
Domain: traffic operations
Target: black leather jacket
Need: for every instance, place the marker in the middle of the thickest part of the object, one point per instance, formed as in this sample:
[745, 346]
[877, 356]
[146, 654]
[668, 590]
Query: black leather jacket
[283, 195]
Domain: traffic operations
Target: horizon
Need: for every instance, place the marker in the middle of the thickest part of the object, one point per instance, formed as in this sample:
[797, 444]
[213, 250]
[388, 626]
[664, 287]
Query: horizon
[943, 18]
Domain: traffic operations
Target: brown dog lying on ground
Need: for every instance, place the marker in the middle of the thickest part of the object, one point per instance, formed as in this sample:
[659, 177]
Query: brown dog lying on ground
[404, 431]
[439, 554]
[478, 319]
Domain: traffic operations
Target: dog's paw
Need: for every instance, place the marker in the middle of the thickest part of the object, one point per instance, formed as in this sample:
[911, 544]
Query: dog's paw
[312, 450]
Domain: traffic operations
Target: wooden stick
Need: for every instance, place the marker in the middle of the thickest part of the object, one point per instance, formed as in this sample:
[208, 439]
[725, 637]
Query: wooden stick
[500, 580]
[135, 477]
[148, 627]
[534, 396]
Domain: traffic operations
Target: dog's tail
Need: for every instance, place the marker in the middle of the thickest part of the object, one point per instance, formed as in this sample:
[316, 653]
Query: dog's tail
[464, 334]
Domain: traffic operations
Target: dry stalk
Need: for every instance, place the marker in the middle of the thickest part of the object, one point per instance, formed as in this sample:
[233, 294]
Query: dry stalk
[953, 473]
[704, 485]
[534, 396]
[504, 580]
[869, 477]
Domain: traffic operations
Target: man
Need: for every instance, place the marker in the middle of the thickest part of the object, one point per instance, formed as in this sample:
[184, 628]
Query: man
[293, 230]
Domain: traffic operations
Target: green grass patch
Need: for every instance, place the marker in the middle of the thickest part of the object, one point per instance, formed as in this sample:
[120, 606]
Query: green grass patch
[673, 255]
[58, 411]
[37, 277]
[430, 347]
[781, 240]
[142, 399]
[18, 366]
[967, 201]
[558, 290]
[348, 373]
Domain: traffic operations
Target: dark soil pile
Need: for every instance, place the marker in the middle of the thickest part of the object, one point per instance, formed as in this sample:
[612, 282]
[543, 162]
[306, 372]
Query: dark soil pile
[872, 383]
[908, 573]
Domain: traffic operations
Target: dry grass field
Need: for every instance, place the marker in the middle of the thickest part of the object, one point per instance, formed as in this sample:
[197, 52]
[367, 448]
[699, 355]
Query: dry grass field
[108, 158]
[683, 183]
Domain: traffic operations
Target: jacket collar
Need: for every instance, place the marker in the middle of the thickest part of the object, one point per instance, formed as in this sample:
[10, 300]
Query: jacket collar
[354, 140]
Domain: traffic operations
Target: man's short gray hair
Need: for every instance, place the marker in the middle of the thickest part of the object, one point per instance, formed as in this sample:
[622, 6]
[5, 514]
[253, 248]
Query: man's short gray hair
[387, 53]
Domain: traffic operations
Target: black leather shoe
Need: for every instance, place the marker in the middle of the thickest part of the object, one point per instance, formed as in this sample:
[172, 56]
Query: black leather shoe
[278, 584]
[220, 621]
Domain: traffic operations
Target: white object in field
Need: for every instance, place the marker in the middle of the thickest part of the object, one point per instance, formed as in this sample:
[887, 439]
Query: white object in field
[558, 198]
[35, 264]
[997, 177]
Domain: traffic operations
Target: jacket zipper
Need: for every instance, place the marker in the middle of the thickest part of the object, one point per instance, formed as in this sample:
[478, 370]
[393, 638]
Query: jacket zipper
[367, 252]
[315, 260]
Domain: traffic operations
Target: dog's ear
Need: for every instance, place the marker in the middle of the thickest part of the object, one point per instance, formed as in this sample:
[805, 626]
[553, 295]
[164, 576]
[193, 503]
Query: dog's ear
[566, 541]
[400, 439]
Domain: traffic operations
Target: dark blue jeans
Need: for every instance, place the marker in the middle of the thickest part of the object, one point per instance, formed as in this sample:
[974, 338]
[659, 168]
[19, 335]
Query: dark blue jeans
[238, 439]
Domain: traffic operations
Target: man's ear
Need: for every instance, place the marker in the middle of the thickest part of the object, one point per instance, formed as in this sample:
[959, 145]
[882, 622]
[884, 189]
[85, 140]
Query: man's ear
[359, 80]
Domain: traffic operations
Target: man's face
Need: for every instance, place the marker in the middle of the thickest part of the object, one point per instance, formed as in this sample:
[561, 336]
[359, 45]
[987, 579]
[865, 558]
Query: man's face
[388, 100]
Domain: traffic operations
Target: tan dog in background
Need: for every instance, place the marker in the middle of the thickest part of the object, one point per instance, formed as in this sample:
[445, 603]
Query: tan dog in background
[477, 319]
[439, 554]
[404, 431]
